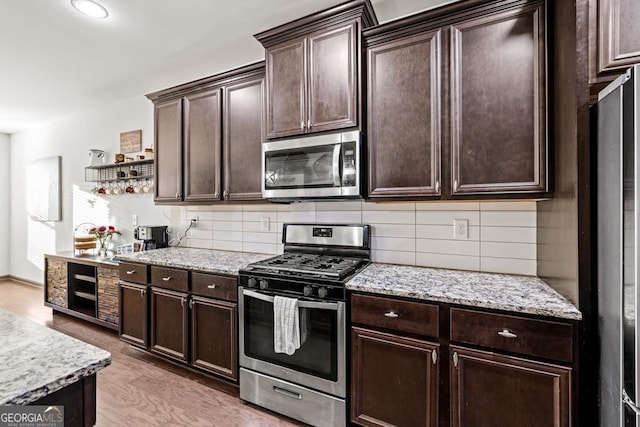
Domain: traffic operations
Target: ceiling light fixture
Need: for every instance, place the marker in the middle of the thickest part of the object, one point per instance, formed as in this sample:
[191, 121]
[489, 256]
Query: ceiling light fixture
[90, 8]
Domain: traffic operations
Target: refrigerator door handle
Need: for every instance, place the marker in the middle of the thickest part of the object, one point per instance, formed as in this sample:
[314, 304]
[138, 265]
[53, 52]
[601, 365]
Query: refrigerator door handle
[630, 403]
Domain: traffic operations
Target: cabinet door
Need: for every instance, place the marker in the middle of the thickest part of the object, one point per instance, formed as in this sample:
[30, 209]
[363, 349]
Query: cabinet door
[333, 79]
[133, 313]
[404, 117]
[168, 155]
[498, 102]
[394, 380]
[286, 88]
[202, 146]
[213, 341]
[489, 390]
[618, 34]
[169, 323]
[243, 137]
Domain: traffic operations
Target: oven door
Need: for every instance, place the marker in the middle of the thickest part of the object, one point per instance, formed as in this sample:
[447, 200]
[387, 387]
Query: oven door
[319, 363]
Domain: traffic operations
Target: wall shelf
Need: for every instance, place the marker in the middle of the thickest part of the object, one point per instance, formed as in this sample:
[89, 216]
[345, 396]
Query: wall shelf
[138, 170]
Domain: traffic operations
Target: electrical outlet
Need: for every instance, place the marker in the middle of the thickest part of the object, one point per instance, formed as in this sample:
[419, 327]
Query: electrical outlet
[134, 219]
[265, 223]
[194, 222]
[461, 229]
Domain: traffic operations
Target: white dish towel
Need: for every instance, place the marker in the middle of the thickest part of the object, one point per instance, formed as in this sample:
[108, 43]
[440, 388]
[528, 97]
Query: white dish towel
[286, 325]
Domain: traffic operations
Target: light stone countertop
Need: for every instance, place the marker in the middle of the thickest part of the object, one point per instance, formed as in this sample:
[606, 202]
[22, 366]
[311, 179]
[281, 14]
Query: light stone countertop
[519, 294]
[207, 260]
[36, 361]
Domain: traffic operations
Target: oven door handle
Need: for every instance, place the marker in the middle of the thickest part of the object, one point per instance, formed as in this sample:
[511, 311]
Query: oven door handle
[301, 303]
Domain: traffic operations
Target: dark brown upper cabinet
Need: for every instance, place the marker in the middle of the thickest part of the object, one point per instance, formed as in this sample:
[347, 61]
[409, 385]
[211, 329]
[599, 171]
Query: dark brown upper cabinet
[616, 37]
[202, 138]
[498, 103]
[168, 147]
[208, 130]
[243, 124]
[313, 69]
[457, 103]
[403, 80]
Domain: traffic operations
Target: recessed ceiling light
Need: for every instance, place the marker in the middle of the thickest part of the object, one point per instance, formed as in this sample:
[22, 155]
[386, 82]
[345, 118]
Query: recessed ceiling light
[90, 8]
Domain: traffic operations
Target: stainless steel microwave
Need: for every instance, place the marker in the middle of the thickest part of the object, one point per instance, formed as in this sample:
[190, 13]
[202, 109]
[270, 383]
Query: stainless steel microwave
[324, 166]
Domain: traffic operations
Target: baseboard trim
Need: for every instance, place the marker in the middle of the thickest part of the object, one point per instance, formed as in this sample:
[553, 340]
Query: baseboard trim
[20, 280]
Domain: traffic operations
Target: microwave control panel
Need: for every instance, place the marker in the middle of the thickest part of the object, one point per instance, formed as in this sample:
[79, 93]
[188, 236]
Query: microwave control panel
[349, 164]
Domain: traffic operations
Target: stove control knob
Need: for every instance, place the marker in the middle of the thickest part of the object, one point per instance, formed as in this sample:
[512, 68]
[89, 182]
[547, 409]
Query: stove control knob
[252, 282]
[264, 284]
[308, 290]
[322, 292]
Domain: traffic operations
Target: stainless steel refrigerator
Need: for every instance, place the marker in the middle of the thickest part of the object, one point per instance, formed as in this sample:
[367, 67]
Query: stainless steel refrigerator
[618, 249]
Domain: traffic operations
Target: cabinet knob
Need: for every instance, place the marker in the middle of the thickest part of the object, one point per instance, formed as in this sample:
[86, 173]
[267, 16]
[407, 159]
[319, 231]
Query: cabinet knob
[166, 279]
[216, 194]
[507, 334]
[392, 314]
[130, 272]
[211, 286]
[177, 196]
[225, 194]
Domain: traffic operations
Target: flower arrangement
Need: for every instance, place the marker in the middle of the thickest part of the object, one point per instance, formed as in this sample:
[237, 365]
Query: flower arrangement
[103, 233]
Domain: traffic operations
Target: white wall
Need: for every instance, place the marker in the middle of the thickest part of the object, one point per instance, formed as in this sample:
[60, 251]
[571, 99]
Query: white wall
[502, 234]
[5, 191]
[71, 138]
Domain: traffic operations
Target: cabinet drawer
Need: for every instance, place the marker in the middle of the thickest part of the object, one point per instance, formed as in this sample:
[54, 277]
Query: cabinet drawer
[135, 273]
[397, 315]
[541, 338]
[170, 278]
[214, 286]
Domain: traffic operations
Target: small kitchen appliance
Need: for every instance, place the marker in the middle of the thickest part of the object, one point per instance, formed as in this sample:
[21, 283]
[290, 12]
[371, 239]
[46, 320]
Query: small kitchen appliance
[152, 236]
[310, 384]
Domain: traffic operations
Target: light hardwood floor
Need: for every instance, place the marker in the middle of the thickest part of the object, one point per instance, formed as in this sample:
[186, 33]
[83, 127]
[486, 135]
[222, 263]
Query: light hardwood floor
[138, 389]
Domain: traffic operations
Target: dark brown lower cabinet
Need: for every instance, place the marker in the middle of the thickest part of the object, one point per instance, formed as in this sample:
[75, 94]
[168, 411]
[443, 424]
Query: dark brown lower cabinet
[489, 390]
[213, 336]
[394, 380]
[134, 303]
[169, 323]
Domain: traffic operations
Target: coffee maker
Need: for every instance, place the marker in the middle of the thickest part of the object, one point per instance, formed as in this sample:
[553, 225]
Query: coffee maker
[152, 236]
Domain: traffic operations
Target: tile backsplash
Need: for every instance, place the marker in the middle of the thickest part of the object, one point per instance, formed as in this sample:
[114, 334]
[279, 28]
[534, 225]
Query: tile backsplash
[502, 235]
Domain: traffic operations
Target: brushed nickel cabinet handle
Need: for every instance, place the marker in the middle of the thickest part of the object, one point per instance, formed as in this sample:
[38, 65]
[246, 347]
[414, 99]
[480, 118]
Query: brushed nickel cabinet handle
[302, 126]
[130, 272]
[191, 304]
[211, 286]
[392, 314]
[507, 334]
[437, 186]
[141, 292]
[225, 194]
[166, 279]
[309, 124]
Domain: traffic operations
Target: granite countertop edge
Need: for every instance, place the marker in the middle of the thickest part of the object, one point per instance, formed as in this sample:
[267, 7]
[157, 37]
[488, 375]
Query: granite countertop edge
[53, 386]
[459, 287]
[506, 292]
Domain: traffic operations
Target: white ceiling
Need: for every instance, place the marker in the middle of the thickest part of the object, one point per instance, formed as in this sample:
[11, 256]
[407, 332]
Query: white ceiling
[55, 62]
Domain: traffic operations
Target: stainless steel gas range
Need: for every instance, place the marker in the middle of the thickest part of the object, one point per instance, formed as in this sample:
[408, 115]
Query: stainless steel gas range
[310, 383]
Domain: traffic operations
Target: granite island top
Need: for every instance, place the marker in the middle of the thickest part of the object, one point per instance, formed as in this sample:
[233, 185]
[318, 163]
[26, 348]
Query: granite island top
[520, 294]
[207, 260]
[36, 361]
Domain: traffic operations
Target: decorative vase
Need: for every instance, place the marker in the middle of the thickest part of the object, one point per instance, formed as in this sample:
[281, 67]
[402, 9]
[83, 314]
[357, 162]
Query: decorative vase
[102, 248]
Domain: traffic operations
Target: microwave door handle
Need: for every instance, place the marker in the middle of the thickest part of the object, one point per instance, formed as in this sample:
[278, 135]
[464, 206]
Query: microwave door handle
[337, 181]
[301, 304]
